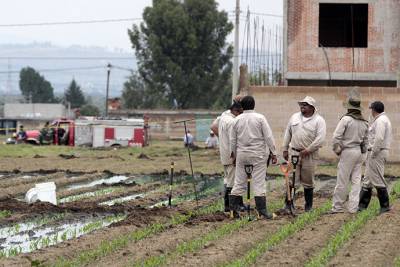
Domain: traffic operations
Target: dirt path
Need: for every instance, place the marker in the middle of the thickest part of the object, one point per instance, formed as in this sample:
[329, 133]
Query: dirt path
[377, 244]
[296, 250]
[157, 245]
[235, 245]
[231, 246]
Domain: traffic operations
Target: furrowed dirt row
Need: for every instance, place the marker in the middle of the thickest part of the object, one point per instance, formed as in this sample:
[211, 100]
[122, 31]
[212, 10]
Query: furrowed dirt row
[136, 220]
[376, 245]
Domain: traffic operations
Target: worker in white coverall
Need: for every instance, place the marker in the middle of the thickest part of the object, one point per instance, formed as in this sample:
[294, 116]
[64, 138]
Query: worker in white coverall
[251, 143]
[350, 141]
[379, 137]
[223, 125]
[304, 136]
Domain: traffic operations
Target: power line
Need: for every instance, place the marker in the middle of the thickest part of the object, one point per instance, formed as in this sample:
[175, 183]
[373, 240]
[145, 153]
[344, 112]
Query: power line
[69, 22]
[266, 14]
[70, 69]
[64, 58]
[57, 70]
[259, 14]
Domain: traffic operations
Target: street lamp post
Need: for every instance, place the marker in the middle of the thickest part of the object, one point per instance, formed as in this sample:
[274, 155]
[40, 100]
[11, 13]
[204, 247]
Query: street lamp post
[107, 87]
[235, 76]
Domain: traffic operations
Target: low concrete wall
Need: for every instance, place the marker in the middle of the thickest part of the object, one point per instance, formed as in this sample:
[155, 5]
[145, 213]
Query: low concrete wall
[279, 103]
[163, 124]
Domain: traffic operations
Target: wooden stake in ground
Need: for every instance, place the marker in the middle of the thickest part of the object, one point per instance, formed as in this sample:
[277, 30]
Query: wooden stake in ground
[171, 181]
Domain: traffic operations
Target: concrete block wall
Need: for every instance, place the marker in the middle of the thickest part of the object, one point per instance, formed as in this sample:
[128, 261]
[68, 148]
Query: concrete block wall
[380, 61]
[279, 103]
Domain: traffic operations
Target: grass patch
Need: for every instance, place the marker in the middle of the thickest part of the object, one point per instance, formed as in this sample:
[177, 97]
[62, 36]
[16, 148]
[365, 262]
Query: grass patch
[348, 230]
[283, 233]
[397, 262]
[198, 243]
[107, 247]
[5, 214]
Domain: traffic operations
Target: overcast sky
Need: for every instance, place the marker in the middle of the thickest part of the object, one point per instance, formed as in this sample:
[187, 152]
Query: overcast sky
[111, 35]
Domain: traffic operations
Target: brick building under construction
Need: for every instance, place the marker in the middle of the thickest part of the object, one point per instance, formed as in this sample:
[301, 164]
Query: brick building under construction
[342, 43]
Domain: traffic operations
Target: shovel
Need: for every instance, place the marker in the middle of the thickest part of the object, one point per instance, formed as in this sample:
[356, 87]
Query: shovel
[249, 170]
[286, 168]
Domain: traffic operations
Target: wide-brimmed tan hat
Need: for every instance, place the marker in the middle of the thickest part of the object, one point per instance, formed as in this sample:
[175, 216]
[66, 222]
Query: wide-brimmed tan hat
[353, 100]
[309, 100]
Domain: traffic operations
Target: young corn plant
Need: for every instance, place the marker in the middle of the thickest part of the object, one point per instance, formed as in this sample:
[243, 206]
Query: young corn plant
[26, 226]
[60, 236]
[348, 230]
[283, 233]
[101, 192]
[198, 243]
[108, 247]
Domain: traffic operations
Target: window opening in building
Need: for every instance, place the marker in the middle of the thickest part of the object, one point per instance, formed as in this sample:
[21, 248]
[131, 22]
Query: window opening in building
[343, 25]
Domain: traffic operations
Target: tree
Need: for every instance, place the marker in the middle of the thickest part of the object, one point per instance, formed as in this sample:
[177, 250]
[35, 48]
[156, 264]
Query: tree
[34, 87]
[89, 110]
[74, 95]
[182, 51]
[137, 95]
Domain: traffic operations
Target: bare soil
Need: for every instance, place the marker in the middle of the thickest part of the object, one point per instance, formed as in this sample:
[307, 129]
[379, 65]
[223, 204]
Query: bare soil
[303, 245]
[377, 244]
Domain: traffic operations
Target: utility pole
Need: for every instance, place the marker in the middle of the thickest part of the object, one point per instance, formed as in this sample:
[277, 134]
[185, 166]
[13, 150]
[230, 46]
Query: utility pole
[235, 78]
[109, 66]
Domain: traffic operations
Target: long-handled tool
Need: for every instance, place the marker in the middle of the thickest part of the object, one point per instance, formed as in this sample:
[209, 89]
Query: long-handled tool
[249, 170]
[171, 181]
[190, 161]
[285, 168]
[295, 161]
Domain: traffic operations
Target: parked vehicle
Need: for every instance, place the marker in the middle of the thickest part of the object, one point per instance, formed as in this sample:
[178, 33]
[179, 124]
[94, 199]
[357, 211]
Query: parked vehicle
[91, 132]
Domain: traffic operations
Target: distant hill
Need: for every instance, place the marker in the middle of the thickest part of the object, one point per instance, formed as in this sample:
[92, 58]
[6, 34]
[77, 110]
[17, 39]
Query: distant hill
[60, 64]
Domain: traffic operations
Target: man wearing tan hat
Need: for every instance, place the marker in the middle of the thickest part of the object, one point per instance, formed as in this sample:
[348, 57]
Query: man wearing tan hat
[379, 137]
[350, 141]
[304, 135]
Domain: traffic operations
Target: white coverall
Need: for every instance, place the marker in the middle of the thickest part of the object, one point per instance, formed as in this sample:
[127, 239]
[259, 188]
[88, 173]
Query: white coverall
[251, 142]
[350, 135]
[379, 136]
[305, 133]
[225, 122]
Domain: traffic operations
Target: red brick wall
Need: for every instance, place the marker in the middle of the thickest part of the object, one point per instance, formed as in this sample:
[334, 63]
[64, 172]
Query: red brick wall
[279, 103]
[304, 55]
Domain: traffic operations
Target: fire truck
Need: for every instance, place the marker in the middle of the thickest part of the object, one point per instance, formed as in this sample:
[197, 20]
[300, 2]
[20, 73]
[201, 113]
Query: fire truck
[93, 133]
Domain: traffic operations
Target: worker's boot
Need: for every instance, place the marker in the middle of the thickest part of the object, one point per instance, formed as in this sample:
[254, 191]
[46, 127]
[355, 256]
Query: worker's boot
[365, 198]
[383, 197]
[234, 206]
[261, 207]
[242, 205]
[308, 197]
[226, 198]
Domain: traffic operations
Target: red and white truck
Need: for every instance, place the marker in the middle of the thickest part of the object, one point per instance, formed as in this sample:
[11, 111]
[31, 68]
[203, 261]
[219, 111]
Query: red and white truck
[94, 132]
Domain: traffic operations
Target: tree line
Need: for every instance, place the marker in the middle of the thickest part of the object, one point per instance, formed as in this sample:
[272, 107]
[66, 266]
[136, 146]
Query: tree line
[184, 60]
[36, 89]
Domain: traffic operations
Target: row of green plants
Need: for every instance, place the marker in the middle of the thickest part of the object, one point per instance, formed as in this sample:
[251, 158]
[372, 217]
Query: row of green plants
[107, 247]
[196, 244]
[348, 230]
[97, 193]
[27, 226]
[60, 236]
[206, 189]
[282, 234]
